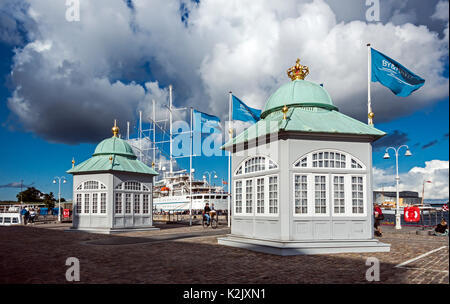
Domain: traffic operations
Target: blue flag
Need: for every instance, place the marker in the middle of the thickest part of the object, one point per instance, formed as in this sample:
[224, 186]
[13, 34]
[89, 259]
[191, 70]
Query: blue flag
[401, 81]
[243, 112]
[205, 123]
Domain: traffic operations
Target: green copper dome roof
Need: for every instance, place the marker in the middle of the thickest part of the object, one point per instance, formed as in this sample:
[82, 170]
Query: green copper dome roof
[112, 154]
[114, 145]
[298, 92]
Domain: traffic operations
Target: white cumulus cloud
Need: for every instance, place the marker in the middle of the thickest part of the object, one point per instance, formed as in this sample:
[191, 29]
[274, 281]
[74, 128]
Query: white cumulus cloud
[119, 57]
[436, 171]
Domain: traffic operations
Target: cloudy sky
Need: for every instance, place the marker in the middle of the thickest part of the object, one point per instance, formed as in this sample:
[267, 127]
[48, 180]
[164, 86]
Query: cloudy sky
[64, 82]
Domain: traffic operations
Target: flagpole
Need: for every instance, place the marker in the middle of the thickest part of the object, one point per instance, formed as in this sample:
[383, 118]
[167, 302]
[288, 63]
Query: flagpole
[170, 135]
[370, 114]
[190, 175]
[230, 132]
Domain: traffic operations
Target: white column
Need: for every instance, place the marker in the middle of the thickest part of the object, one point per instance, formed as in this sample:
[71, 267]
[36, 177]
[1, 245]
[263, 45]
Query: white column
[190, 174]
[369, 75]
[154, 132]
[140, 135]
[397, 179]
[170, 122]
[230, 132]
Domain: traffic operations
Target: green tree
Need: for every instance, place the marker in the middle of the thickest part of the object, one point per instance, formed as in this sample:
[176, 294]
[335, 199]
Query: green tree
[49, 200]
[30, 195]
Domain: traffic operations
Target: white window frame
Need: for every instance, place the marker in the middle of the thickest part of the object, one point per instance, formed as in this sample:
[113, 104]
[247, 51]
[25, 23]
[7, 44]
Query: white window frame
[100, 209]
[254, 196]
[327, 194]
[268, 198]
[364, 179]
[242, 196]
[311, 206]
[95, 204]
[81, 186]
[121, 203]
[330, 195]
[346, 179]
[267, 161]
[348, 161]
[308, 194]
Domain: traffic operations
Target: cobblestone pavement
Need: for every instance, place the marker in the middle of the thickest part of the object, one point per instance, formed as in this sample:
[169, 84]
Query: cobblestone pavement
[37, 254]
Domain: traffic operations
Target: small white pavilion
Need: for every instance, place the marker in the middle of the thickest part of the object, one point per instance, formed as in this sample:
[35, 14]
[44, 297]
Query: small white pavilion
[302, 176]
[112, 190]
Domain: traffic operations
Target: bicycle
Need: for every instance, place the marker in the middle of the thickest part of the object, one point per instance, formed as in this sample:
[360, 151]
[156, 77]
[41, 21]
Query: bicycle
[213, 222]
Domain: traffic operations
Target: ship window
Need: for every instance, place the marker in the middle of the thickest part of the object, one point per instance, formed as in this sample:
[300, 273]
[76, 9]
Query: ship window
[7, 220]
[14, 220]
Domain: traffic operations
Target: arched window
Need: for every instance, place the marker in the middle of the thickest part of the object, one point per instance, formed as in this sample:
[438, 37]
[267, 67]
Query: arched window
[328, 159]
[256, 195]
[91, 185]
[132, 186]
[133, 198]
[92, 199]
[256, 164]
[329, 182]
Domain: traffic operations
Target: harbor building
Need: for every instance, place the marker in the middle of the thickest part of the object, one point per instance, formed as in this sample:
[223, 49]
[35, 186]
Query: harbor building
[386, 199]
[302, 176]
[112, 190]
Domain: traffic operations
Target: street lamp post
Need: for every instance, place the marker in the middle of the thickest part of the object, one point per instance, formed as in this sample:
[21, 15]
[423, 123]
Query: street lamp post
[59, 178]
[209, 174]
[397, 180]
[423, 189]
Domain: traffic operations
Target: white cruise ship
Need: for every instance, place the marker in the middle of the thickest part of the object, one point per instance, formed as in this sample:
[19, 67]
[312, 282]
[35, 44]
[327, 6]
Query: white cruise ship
[172, 193]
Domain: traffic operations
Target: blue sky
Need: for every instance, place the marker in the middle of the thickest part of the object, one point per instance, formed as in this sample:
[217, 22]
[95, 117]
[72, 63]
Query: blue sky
[66, 82]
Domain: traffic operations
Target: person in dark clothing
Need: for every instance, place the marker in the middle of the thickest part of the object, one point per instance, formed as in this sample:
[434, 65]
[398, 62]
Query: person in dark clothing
[441, 228]
[206, 212]
[378, 218]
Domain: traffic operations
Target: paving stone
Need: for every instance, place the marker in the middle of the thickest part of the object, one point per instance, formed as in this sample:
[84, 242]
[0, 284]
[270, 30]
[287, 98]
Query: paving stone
[37, 254]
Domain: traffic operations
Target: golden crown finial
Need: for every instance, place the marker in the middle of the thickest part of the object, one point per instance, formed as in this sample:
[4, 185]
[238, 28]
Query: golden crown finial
[115, 129]
[298, 71]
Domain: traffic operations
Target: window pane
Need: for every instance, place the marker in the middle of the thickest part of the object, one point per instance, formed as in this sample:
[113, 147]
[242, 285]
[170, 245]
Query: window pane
[94, 202]
[320, 194]
[301, 194]
[86, 203]
[118, 203]
[357, 194]
[338, 191]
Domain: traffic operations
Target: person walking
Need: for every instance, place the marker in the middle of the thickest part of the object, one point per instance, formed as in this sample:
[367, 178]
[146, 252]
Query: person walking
[32, 216]
[378, 218]
[23, 213]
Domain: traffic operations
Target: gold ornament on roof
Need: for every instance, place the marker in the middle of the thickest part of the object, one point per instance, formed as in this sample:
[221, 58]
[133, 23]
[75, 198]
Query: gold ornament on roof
[115, 129]
[284, 110]
[371, 115]
[298, 71]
